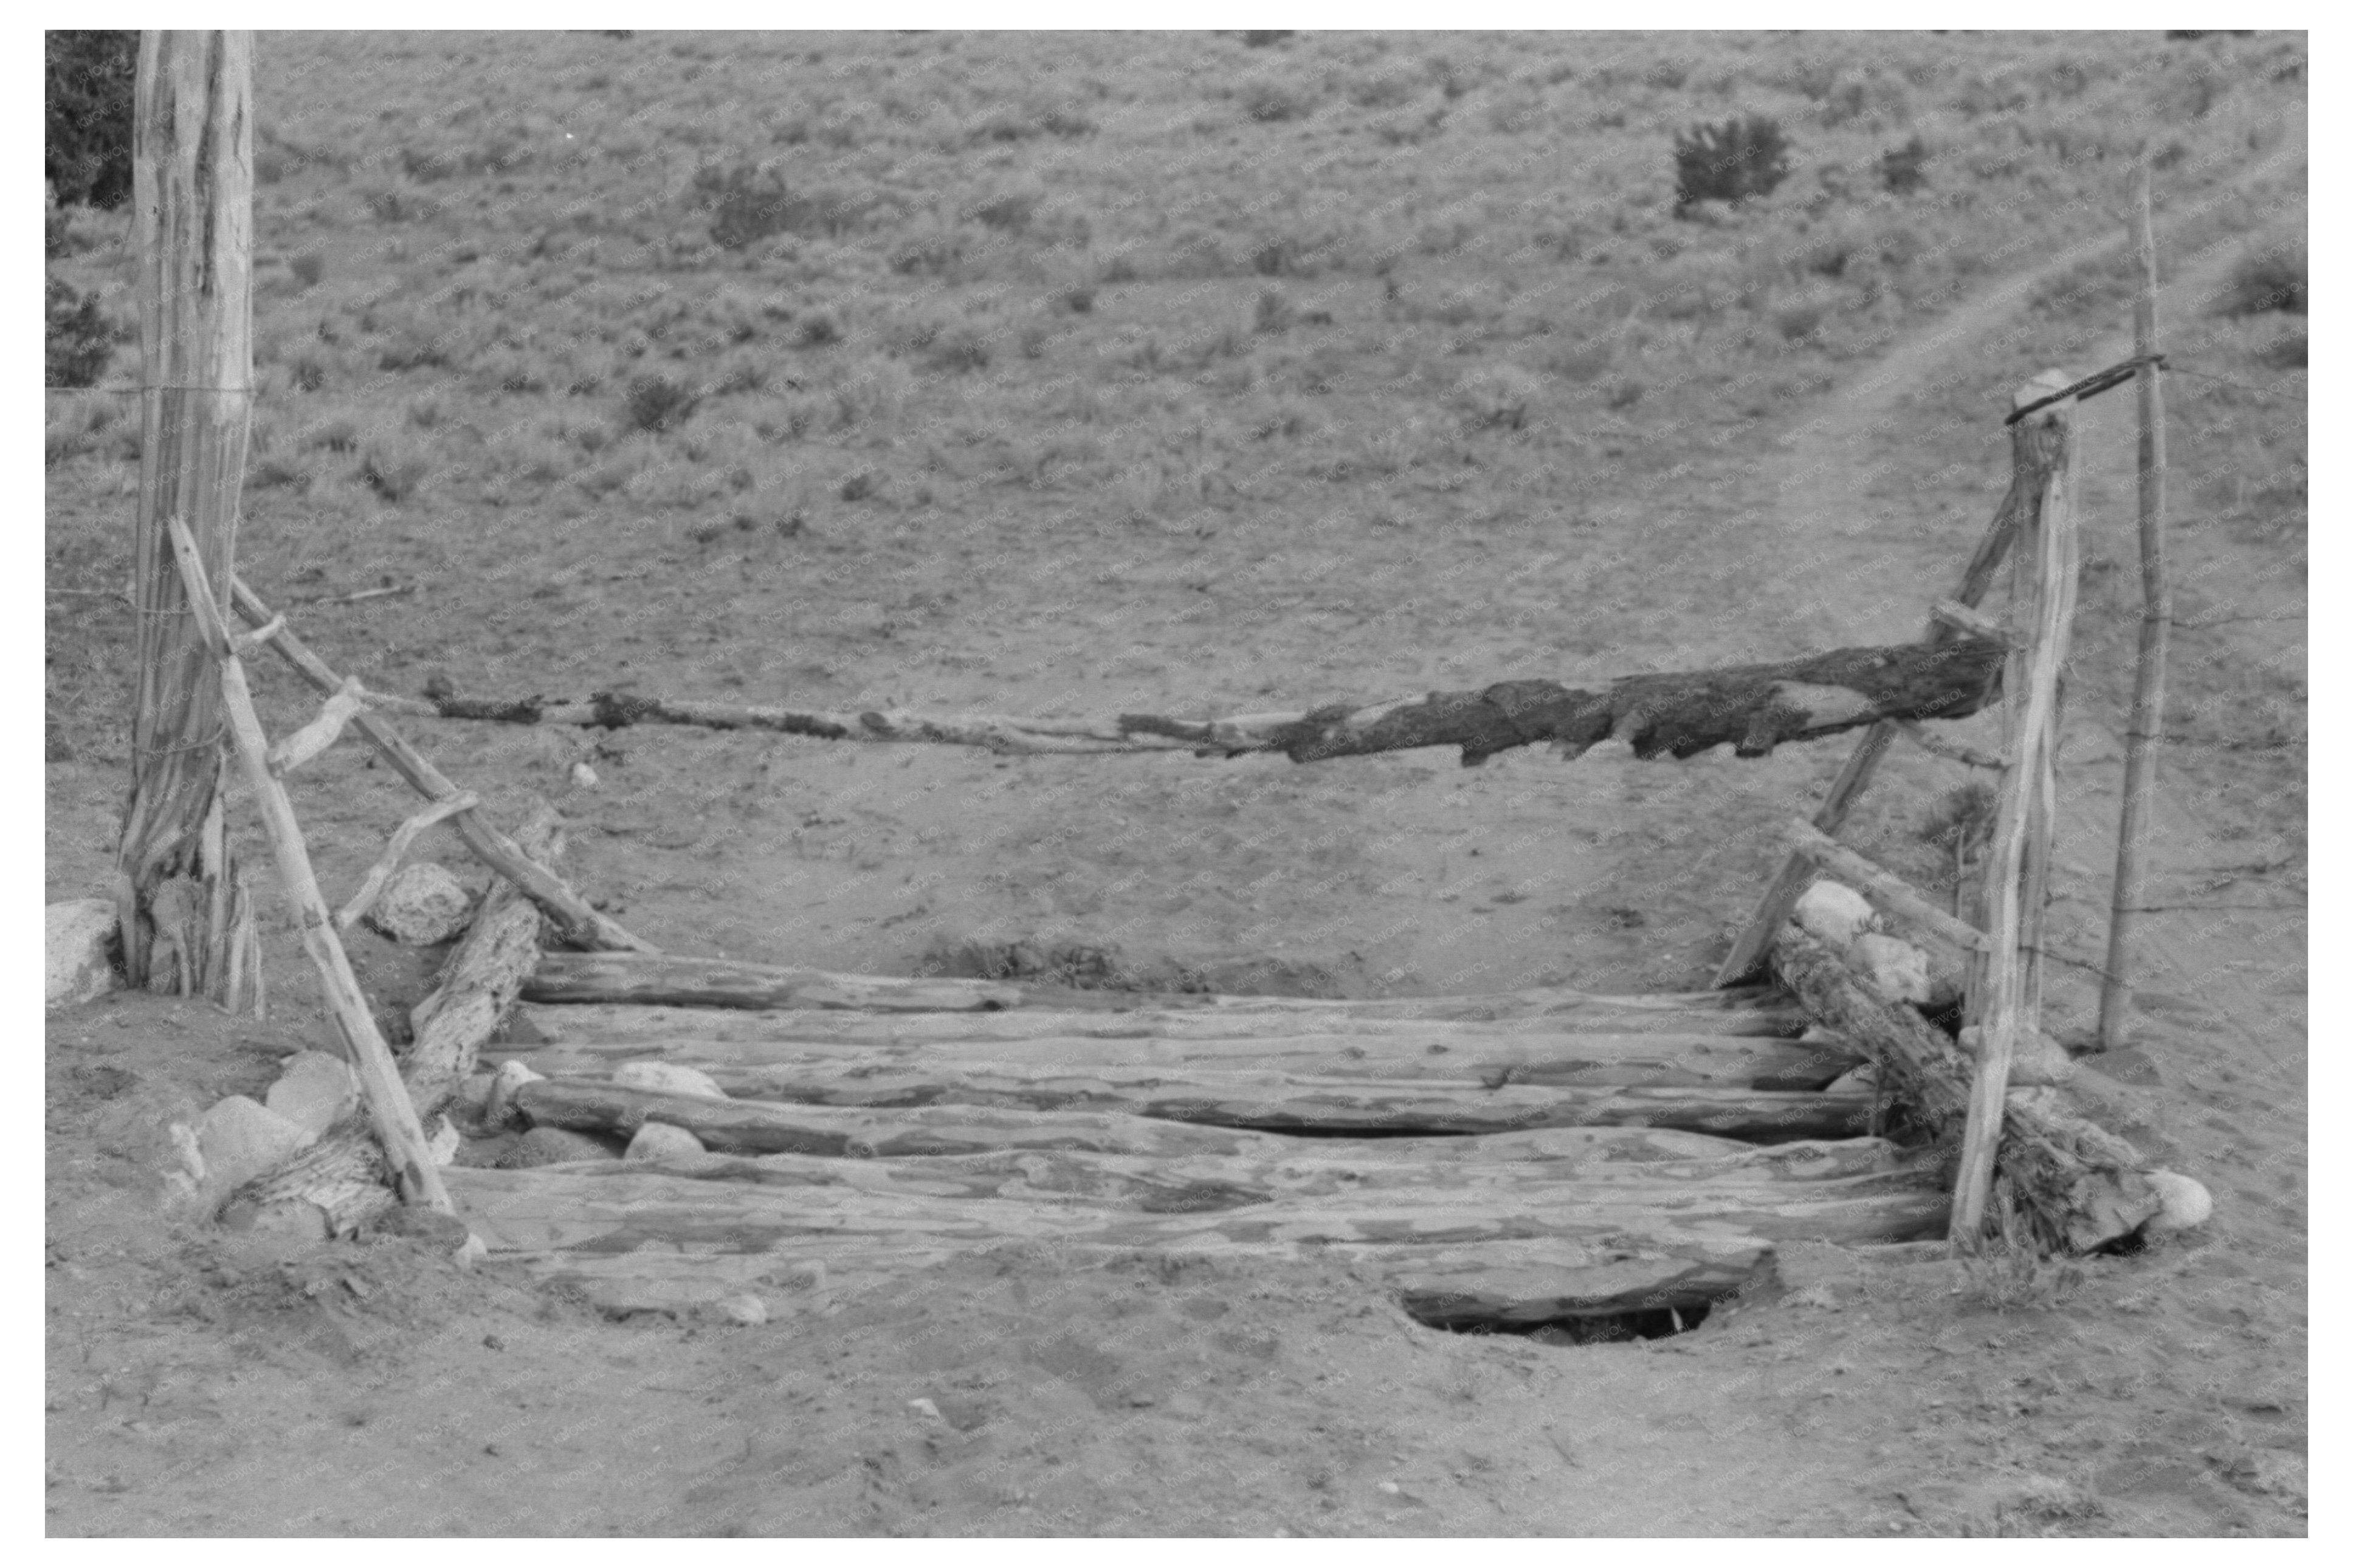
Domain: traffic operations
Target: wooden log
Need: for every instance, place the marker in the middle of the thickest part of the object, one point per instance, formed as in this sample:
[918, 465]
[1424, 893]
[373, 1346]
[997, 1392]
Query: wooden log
[1753, 947]
[2145, 731]
[1888, 893]
[383, 1092]
[290, 752]
[403, 839]
[654, 1028]
[1968, 622]
[2004, 996]
[1469, 1058]
[1595, 1256]
[1266, 1102]
[577, 921]
[2079, 1186]
[1752, 708]
[192, 231]
[481, 980]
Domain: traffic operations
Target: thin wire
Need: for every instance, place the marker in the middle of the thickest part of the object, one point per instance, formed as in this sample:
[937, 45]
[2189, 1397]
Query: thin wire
[135, 391]
[2226, 381]
[191, 746]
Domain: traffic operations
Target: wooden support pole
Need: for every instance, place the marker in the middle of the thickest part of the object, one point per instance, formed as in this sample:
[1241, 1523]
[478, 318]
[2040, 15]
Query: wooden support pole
[192, 223]
[2147, 731]
[403, 838]
[387, 1098]
[1882, 887]
[2001, 994]
[1751, 949]
[575, 919]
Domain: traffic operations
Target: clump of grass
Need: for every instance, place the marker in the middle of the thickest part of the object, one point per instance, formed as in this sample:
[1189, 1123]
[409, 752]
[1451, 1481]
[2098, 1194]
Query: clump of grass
[1078, 301]
[1798, 323]
[1009, 213]
[1742, 157]
[393, 468]
[2018, 1279]
[1275, 311]
[657, 403]
[334, 435]
[2272, 281]
[1270, 101]
[77, 344]
[1265, 38]
[1498, 397]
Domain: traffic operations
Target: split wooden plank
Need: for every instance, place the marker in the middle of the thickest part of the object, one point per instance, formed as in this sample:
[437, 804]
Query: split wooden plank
[1951, 750]
[290, 752]
[2079, 1186]
[2004, 991]
[1968, 622]
[386, 1096]
[1578, 1060]
[1267, 1101]
[1754, 946]
[1887, 891]
[575, 919]
[603, 1027]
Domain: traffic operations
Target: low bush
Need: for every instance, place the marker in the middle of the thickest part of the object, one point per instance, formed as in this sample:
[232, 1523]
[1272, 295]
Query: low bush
[657, 403]
[2272, 281]
[1903, 170]
[78, 344]
[1730, 161]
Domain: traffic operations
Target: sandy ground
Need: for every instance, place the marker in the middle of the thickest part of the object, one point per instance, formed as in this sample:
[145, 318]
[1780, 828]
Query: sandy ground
[202, 1383]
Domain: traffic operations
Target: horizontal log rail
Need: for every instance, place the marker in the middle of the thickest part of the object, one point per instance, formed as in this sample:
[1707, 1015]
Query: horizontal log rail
[1751, 708]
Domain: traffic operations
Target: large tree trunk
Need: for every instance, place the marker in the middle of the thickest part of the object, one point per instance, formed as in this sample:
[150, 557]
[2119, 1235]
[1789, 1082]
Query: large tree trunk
[192, 151]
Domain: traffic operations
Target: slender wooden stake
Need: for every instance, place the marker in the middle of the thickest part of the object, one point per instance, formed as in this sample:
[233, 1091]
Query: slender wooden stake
[1952, 751]
[387, 1097]
[1754, 943]
[290, 752]
[2041, 614]
[192, 221]
[576, 920]
[403, 838]
[2147, 731]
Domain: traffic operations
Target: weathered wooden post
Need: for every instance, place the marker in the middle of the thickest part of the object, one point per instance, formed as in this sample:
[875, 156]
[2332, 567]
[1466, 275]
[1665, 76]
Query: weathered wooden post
[186, 922]
[2147, 730]
[2003, 997]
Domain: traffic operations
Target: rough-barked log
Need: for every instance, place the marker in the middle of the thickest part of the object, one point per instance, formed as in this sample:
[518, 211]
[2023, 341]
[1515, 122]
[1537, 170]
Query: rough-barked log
[1267, 1101]
[593, 1025]
[2077, 1185]
[483, 976]
[1493, 1060]
[1601, 1256]
[1752, 708]
[679, 981]
[575, 919]
[342, 1176]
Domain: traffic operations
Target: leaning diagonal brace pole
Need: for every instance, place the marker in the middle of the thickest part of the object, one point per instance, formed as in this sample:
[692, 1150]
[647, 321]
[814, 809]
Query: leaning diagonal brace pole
[1755, 940]
[387, 1098]
[579, 923]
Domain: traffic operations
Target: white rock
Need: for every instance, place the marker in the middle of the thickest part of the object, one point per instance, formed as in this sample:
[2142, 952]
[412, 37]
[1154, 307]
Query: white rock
[240, 1139]
[474, 1094]
[423, 906]
[1834, 914]
[1864, 1079]
[314, 1090]
[1892, 966]
[2036, 1060]
[471, 1251]
[667, 1077]
[658, 1141]
[745, 1310]
[511, 1077]
[78, 951]
[2187, 1202]
[583, 776]
[442, 1141]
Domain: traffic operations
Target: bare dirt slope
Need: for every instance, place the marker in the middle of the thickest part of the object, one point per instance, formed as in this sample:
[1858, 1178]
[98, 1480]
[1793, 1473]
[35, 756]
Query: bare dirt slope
[202, 1383]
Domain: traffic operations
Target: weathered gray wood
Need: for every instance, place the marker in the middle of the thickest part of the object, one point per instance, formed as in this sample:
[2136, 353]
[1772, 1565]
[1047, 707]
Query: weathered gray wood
[192, 221]
[1752, 708]
[484, 974]
[2077, 1185]
[382, 1090]
[1889, 892]
[1579, 1060]
[2004, 995]
[574, 919]
[1511, 1013]
[403, 838]
[1605, 1254]
[1267, 1101]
